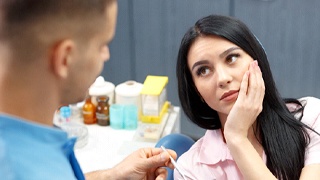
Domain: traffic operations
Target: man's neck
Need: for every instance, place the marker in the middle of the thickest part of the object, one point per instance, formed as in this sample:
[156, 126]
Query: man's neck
[30, 98]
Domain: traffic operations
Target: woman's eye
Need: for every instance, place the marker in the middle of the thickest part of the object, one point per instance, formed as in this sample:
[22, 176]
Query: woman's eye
[202, 71]
[232, 58]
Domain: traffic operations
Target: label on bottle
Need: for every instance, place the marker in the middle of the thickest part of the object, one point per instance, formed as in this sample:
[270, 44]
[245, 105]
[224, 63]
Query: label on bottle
[87, 112]
[102, 116]
[103, 119]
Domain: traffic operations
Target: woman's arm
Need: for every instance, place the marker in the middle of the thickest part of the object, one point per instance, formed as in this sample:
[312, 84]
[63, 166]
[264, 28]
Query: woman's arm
[247, 158]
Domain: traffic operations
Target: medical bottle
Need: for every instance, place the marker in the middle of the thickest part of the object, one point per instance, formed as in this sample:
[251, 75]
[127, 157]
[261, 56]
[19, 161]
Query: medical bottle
[102, 112]
[65, 114]
[89, 111]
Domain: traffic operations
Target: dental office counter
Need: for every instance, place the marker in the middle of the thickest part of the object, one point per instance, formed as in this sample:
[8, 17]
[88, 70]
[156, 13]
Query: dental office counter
[106, 147]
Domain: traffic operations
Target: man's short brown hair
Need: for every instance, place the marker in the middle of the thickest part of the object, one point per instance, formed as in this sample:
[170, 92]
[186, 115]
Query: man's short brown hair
[33, 24]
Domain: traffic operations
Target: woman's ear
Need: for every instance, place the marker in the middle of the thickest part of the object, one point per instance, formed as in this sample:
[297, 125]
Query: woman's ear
[61, 56]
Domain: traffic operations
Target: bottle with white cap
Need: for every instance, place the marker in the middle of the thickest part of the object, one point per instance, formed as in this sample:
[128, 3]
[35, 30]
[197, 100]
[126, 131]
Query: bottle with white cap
[102, 88]
[129, 93]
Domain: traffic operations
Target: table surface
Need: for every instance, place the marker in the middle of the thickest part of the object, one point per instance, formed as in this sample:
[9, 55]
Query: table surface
[106, 146]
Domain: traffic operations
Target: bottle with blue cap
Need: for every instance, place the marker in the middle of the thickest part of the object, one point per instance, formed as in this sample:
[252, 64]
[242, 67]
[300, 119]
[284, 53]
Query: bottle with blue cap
[65, 114]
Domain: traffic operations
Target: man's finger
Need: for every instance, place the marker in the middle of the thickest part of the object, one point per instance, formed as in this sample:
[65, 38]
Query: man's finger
[158, 158]
[161, 173]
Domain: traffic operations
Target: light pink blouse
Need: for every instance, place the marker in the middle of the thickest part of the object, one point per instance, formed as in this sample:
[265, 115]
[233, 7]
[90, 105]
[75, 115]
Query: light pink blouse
[210, 158]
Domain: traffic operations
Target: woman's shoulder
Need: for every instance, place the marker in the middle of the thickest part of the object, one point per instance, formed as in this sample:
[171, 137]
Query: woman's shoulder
[191, 162]
[209, 142]
[311, 117]
[311, 104]
[193, 151]
[311, 112]
[310, 99]
[188, 160]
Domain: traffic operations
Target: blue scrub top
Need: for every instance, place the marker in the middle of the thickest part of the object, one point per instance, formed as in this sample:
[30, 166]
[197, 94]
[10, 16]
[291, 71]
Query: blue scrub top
[34, 151]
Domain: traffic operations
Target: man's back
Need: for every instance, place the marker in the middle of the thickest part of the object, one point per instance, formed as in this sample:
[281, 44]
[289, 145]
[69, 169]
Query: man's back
[33, 151]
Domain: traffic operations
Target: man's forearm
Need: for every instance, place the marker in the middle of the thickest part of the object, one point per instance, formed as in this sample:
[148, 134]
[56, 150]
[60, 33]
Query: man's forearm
[107, 174]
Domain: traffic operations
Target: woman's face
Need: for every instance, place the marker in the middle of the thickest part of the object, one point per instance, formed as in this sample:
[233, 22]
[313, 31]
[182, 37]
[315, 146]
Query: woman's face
[217, 67]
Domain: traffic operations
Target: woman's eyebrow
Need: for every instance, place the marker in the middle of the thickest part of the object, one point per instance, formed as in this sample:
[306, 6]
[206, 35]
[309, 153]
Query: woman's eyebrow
[199, 63]
[223, 54]
[228, 51]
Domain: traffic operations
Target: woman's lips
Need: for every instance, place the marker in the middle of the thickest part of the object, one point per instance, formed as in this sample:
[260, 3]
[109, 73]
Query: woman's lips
[230, 95]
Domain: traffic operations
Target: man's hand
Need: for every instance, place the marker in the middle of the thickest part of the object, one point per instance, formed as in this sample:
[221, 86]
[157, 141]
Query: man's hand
[145, 163]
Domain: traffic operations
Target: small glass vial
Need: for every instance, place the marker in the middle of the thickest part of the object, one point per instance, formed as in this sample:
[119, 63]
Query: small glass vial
[102, 112]
[89, 111]
[65, 114]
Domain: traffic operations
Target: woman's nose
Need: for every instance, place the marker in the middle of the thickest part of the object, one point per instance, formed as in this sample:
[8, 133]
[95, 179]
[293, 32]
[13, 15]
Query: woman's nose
[223, 77]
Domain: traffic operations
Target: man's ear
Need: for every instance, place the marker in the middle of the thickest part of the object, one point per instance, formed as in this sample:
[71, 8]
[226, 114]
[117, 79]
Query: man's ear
[61, 56]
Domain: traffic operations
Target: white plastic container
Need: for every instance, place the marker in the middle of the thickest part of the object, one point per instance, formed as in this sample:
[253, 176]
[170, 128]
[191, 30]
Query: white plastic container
[129, 93]
[101, 87]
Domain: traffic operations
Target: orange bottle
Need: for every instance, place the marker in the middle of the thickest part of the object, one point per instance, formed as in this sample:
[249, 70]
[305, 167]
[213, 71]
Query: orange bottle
[89, 111]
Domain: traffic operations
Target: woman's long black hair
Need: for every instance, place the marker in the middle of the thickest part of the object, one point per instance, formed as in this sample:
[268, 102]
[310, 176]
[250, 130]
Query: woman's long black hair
[283, 137]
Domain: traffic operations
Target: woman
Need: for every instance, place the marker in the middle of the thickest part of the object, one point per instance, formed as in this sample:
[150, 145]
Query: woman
[226, 86]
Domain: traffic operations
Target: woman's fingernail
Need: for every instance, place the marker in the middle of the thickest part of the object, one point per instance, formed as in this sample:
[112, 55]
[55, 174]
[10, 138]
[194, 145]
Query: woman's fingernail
[253, 64]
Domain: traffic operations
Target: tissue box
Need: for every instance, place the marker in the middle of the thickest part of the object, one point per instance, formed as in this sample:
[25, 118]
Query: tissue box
[154, 99]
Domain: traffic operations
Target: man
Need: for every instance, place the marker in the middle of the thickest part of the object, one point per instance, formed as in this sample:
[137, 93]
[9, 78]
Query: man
[51, 51]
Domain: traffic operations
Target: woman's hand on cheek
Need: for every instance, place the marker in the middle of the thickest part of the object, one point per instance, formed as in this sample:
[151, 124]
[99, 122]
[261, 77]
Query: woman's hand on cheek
[249, 103]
